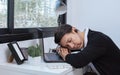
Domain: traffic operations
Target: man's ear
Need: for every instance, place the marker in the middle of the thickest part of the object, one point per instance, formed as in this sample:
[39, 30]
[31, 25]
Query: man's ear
[74, 29]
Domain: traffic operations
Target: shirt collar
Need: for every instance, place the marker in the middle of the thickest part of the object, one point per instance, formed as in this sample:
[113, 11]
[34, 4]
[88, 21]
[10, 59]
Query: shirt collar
[85, 37]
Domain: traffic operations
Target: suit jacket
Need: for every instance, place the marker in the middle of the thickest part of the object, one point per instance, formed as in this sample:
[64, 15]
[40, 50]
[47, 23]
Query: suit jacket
[101, 51]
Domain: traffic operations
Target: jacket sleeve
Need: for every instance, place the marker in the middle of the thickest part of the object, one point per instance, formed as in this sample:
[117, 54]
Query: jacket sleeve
[85, 56]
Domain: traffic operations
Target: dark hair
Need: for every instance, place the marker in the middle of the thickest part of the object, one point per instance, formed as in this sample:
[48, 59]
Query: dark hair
[61, 31]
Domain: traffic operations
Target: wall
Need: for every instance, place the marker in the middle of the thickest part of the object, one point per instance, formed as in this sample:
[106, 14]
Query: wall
[101, 15]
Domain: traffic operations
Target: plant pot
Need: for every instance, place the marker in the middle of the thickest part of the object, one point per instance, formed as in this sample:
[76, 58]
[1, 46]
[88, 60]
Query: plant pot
[34, 60]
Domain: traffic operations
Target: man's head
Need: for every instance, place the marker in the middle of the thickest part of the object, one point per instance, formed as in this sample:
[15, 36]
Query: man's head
[68, 36]
[61, 31]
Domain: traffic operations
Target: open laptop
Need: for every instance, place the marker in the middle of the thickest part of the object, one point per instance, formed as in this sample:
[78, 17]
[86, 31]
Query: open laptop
[49, 50]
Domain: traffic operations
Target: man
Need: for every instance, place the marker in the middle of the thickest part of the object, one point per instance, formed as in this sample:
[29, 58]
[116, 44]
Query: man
[95, 48]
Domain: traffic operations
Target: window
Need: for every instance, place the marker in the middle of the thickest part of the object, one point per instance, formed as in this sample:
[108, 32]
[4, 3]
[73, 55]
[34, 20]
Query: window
[22, 19]
[35, 13]
[3, 13]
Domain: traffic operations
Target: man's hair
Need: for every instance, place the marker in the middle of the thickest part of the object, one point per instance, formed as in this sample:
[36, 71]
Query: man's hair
[61, 31]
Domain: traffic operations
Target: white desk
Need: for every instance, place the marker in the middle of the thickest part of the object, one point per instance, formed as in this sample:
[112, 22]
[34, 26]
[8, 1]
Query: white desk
[38, 69]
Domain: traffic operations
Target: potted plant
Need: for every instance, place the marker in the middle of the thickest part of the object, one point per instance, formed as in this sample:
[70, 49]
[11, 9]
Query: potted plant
[34, 51]
[34, 54]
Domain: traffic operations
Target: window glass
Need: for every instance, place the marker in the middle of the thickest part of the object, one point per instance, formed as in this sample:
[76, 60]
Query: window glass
[34, 13]
[3, 13]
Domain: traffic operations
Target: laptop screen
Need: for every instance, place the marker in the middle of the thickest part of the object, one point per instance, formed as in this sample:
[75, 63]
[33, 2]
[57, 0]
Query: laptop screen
[49, 55]
[49, 44]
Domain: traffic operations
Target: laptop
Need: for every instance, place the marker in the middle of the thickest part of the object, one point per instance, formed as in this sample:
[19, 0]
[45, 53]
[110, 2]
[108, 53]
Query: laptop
[49, 50]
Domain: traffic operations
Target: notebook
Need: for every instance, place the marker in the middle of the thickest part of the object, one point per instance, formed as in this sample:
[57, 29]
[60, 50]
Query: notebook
[49, 52]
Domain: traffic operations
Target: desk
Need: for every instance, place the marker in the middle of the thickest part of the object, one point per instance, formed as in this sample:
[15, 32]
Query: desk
[38, 69]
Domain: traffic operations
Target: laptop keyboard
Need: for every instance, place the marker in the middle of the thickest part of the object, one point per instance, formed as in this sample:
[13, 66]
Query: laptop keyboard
[58, 66]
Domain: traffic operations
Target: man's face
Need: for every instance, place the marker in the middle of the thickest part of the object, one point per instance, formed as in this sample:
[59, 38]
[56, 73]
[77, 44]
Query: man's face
[72, 40]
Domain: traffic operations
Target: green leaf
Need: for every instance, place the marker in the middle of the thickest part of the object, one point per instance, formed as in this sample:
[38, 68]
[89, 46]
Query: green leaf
[34, 51]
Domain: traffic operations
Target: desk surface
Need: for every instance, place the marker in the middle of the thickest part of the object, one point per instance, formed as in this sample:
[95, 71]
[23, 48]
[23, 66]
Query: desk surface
[42, 68]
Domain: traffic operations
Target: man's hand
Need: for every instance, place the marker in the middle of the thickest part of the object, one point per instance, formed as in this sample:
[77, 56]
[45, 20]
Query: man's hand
[63, 52]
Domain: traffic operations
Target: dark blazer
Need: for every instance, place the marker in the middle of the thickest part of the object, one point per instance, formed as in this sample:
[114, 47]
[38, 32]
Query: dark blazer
[101, 51]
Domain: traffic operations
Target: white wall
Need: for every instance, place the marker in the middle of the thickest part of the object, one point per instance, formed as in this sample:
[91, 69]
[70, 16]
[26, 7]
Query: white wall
[101, 15]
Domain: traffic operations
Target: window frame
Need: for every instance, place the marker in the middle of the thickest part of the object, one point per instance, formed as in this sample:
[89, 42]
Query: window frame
[10, 33]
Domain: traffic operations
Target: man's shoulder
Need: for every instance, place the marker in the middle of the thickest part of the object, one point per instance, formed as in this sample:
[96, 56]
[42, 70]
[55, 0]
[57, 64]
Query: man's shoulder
[98, 36]
[95, 32]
